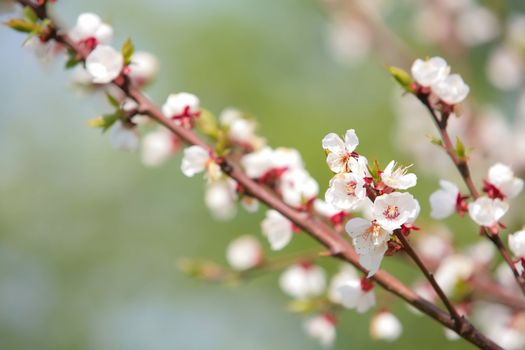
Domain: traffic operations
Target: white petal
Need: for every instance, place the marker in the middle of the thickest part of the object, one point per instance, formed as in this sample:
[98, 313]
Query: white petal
[333, 143]
[104, 64]
[351, 140]
[194, 160]
[517, 243]
[357, 226]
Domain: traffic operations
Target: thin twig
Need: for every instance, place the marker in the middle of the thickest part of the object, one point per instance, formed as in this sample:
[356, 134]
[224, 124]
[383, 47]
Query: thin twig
[430, 277]
[464, 171]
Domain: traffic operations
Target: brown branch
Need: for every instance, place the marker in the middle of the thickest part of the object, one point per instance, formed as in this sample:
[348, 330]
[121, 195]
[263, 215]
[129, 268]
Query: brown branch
[336, 244]
[464, 170]
[430, 277]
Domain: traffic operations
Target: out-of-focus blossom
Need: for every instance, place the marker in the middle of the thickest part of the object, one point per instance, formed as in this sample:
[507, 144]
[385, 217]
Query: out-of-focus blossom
[486, 211]
[195, 160]
[220, 198]
[321, 328]
[104, 64]
[505, 68]
[244, 253]
[452, 89]
[350, 40]
[181, 107]
[298, 188]
[277, 229]
[143, 67]
[453, 270]
[158, 146]
[256, 164]
[430, 72]
[303, 280]
[477, 25]
[123, 137]
[517, 243]
[346, 273]
[90, 26]
[358, 294]
[385, 326]
[443, 201]
[502, 176]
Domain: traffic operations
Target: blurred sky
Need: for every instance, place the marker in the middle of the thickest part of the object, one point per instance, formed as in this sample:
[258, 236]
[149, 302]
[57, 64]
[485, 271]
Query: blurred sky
[89, 238]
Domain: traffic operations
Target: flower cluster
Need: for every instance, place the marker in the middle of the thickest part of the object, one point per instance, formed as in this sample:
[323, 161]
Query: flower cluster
[433, 76]
[353, 187]
[487, 210]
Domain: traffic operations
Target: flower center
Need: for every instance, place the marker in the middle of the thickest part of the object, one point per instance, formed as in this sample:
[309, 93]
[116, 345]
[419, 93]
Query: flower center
[373, 233]
[350, 188]
[391, 212]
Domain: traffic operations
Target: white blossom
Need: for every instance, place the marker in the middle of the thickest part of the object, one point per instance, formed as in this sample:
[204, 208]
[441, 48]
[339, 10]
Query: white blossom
[345, 191]
[453, 270]
[256, 164]
[486, 211]
[452, 89]
[443, 201]
[298, 187]
[301, 281]
[346, 272]
[398, 178]
[385, 326]
[195, 160]
[123, 138]
[89, 25]
[244, 253]
[104, 64]
[321, 328]
[157, 147]
[143, 67]
[289, 158]
[505, 68]
[339, 151]
[477, 25]
[220, 198]
[240, 129]
[357, 295]
[503, 178]
[430, 72]
[370, 242]
[182, 104]
[517, 243]
[395, 209]
[277, 229]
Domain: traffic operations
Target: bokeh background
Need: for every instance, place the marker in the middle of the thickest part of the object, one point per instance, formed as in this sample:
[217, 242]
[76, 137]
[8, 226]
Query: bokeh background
[89, 238]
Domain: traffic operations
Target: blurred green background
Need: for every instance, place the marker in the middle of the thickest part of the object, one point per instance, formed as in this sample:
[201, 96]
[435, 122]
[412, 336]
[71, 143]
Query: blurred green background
[89, 238]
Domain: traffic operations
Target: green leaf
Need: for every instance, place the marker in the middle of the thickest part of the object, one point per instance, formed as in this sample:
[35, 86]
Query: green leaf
[104, 122]
[24, 26]
[127, 51]
[72, 60]
[436, 141]
[30, 14]
[460, 149]
[207, 124]
[112, 101]
[402, 77]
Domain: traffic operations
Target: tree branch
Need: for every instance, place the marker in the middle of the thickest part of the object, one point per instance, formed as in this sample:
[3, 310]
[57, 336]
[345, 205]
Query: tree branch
[336, 244]
[464, 171]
